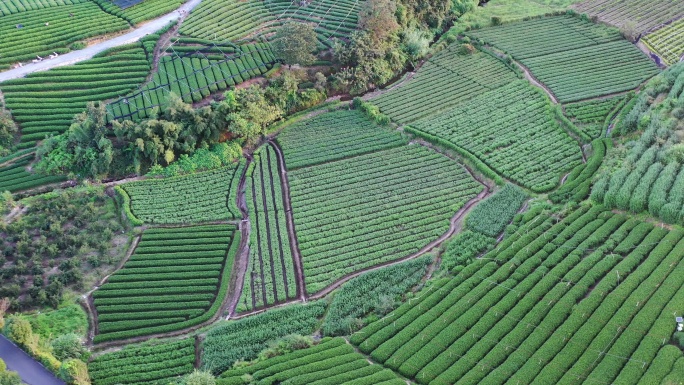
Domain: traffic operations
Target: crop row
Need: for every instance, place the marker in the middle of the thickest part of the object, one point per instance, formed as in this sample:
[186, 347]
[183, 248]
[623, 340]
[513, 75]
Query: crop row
[270, 276]
[144, 364]
[46, 102]
[14, 177]
[331, 361]
[200, 197]
[529, 147]
[358, 212]
[578, 183]
[333, 136]
[448, 77]
[512, 318]
[193, 78]
[147, 308]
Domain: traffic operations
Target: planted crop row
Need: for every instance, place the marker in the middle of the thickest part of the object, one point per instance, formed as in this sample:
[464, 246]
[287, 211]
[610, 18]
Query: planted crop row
[333, 136]
[245, 19]
[270, 276]
[594, 116]
[46, 102]
[575, 59]
[200, 197]
[51, 29]
[144, 364]
[193, 78]
[9, 7]
[331, 361]
[370, 209]
[540, 317]
[445, 80]
[529, 146]
[668, 42]
[245, 338]
[637, 15]
[141, 308]
[14, 177]
[592, 71]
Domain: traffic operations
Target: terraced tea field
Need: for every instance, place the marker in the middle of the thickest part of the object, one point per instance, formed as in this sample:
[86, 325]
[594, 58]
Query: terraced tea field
[667, 42]
[637, 15]
[176, 278]
[575, 59]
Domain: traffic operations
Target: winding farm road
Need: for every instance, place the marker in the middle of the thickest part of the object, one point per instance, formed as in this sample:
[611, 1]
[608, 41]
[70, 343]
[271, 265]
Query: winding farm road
[87, 53]
[30, 371]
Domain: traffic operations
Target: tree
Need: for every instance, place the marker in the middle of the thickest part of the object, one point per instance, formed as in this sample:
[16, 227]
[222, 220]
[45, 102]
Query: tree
[378, 18]
[295, 43]
[8, 130]
[67, 346]
[200, 378]
[19, 330]
[75, 371]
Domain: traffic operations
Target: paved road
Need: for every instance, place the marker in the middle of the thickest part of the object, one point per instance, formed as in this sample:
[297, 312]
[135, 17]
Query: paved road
[31, 372]
[89, 52]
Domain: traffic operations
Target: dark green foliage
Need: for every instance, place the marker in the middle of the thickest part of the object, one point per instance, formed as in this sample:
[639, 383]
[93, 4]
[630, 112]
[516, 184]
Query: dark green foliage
[578, 183]
[69, 231]
[375, 291]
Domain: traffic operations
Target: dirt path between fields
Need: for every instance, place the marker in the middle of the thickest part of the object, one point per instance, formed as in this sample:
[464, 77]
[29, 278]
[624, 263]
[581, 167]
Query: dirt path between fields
[535, 82]
[242, 259]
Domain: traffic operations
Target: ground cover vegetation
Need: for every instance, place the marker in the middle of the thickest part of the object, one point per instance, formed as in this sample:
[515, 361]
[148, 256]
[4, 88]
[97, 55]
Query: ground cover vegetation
[574, 58]
[330, 361]
[55, 242]
[176, 278]
[244, 339]
[540, 306]
[149, 363]
[529, 148]
[340, 208]
[270, 277]
[201, 197]
[643, 174]
[634, 17]
[578, 182]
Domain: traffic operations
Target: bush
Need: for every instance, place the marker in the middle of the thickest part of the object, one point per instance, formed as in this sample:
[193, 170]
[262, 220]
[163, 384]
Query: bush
[199, 378]
[68, 346]
[74, 371]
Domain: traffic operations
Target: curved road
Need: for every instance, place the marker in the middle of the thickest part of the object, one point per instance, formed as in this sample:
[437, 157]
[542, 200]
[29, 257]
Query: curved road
[30, 370]
[87, 53]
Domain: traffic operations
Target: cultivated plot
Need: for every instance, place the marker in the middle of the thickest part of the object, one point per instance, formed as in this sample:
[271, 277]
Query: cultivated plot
[270, 277]
[200, 197]
[635, 16]
[176, 278]
[575, 59]
[442, 82]
[513, 131]
[667, 42]
[46, 102]
[363, 211]
[545, 307]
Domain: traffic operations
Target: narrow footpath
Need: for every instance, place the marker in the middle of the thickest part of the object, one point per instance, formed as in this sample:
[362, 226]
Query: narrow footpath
[30, 370]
